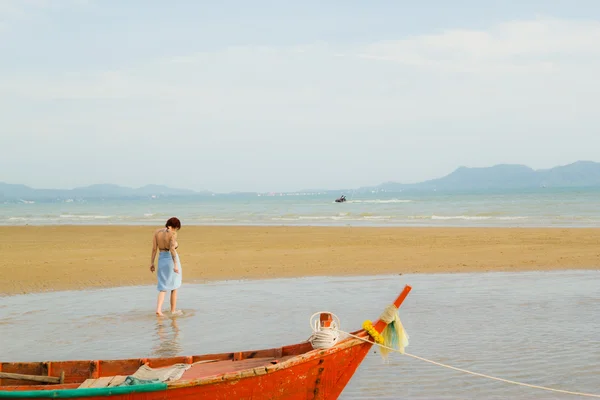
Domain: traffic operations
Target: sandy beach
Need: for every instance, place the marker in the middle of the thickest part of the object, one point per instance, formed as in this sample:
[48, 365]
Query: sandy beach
[47, 258]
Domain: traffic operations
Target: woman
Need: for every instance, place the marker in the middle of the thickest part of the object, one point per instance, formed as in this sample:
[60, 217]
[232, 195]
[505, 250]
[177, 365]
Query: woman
[169, 267]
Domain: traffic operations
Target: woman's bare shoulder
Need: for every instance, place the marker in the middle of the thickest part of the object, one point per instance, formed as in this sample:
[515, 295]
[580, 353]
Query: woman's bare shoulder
[167, 233]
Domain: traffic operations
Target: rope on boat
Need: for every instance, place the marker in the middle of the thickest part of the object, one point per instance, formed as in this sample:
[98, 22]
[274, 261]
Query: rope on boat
[471, 372]
[324, 337]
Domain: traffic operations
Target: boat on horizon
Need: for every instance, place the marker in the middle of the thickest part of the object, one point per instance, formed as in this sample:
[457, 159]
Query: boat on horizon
[298, 371]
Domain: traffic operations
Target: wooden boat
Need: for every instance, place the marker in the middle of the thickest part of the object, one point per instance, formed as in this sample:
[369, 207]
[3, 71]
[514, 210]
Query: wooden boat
[296, 371]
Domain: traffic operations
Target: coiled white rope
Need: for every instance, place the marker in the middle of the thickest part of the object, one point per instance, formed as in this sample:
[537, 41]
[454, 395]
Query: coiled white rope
[324, 337]
[476, 373]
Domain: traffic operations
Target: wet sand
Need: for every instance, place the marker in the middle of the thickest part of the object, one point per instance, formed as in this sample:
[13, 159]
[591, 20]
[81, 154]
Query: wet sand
[36, 259]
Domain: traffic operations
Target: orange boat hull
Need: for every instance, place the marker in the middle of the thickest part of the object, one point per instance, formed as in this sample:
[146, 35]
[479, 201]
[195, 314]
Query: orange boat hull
[318, 374]
[323, 377]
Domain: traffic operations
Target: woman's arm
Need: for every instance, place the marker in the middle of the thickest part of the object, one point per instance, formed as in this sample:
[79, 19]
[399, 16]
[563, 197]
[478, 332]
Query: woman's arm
[172, 247]
[154, 247]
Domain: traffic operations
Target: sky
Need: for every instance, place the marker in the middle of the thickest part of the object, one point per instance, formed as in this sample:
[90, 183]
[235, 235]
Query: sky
[240, 95]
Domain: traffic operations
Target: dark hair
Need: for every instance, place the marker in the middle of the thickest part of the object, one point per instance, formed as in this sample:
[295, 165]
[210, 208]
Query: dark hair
[173, 223]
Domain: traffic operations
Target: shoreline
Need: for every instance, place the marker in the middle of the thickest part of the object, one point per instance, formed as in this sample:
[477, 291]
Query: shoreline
[78, 257]
[310, 224]
[152, 286]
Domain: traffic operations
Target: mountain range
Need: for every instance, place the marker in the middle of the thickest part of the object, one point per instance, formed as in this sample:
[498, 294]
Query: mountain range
[12, 192]
[503, 176]
[508, 176]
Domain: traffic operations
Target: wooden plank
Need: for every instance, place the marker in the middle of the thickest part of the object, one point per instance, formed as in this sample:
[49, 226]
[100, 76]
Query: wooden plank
[117, 380]
[106, 381]
[101, 382]
[86, 384]
[33, 378]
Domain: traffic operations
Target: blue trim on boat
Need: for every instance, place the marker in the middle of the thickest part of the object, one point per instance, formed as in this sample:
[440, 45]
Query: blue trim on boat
[75, 393]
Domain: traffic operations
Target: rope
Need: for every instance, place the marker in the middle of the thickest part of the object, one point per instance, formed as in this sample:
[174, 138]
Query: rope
[324, 337]
[389, 314]
[474, 373]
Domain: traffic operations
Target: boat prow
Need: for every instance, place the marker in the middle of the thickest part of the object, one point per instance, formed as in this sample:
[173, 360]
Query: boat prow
[297, 371]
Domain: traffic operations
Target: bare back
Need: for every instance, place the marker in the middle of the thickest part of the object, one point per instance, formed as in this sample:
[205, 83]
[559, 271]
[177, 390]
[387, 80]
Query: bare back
[165, 239]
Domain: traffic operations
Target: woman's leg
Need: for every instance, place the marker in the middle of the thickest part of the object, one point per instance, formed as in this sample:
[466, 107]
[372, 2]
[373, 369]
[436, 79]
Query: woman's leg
[173, 300]
[159, 303]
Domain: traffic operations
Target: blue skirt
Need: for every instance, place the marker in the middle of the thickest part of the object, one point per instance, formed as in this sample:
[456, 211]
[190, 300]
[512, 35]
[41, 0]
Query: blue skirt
[168, 279]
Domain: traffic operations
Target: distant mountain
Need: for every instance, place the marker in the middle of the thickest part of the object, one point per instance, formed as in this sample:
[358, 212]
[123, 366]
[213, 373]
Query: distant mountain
[108, 190]
[507, 176]
[504, 176]
[102, 191]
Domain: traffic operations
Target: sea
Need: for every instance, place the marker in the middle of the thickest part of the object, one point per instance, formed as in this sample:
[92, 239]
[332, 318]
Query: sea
[543, 207]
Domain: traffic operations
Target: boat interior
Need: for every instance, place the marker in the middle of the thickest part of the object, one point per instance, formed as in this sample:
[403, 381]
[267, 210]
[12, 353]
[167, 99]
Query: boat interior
[52, 375]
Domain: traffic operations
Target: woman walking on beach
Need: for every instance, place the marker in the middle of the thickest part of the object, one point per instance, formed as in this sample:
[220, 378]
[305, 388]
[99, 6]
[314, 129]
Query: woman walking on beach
[169, 267]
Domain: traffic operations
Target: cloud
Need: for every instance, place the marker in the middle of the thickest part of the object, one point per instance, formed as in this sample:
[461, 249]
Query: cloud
[544, 68]
[13, 12]
[543, 46]
[536, 46]
[19, 7]
[458, 97]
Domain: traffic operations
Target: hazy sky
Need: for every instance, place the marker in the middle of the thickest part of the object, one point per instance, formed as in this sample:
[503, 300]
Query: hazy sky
[286, 95]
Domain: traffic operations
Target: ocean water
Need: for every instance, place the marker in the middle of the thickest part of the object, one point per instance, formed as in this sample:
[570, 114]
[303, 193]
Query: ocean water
[541, 328]
[535, 208]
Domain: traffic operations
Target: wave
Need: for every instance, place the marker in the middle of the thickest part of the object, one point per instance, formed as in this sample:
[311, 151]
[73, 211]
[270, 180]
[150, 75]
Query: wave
[381, 201]
[427, 215]
[312, 218]
[399, 218]
[75, 216]
[471, 217]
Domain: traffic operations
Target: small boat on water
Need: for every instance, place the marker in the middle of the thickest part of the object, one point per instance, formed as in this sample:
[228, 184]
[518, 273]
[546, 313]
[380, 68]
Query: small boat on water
[307, 370]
